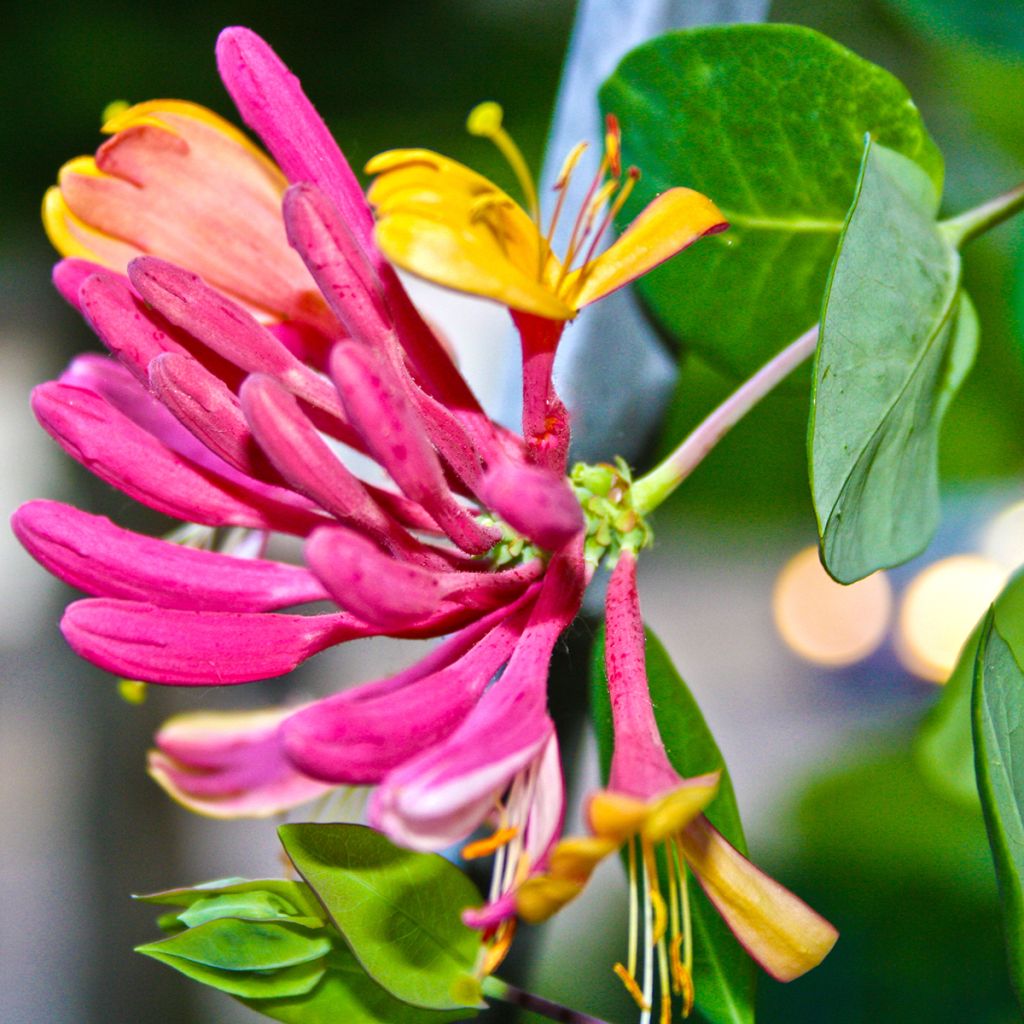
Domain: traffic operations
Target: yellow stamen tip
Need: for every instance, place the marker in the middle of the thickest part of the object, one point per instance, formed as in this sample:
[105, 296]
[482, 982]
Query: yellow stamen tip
[485, 847]
[132, 691]
[114, 110]
[485, 119]
[660, 917]
[688, 993]
[632, 987]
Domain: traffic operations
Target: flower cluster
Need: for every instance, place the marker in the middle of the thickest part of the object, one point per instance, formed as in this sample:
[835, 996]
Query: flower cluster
[255, 327]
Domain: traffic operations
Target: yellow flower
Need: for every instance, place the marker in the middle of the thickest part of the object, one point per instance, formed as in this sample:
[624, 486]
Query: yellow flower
[444, 222]
[177, 181]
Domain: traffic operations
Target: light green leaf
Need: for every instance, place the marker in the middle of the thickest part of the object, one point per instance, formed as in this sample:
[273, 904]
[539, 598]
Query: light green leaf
[398, 910]
[723, 975]
[287, 982]
[347, 995]
[296, 895]
[234, 945]
[769, 122]
[897, 339]
[944, 748]
[249, 906]
[998, 724]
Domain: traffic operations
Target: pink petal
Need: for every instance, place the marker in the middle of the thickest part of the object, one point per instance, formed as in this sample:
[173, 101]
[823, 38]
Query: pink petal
[230, 764]
[360, 735]
[199, 648]
[128, 457]
[91, 553]
[538, 503]
[69, 275]
[775, 927]
[379, 410]
[441, 796]
[232, 332]
[209, 410]
[271, 101]
[640, 766]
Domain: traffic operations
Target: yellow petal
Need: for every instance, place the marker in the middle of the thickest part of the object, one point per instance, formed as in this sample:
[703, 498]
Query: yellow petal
[672, 813]
[615, 815]
[775, 927]
[669, 224]
[72, 237]
[540, 897]
[576, 858]
[465, 259]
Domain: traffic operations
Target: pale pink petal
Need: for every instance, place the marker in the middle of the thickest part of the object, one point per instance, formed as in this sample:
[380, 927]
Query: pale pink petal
[537, 502]
[199, 648]
[230, 764]
[775, 927]
[91, 553]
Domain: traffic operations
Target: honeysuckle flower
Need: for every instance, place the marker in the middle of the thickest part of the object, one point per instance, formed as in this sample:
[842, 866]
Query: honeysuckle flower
[647, 806]
[448, 224]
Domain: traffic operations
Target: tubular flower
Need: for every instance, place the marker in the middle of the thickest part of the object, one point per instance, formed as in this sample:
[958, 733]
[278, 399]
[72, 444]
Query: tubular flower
[657, 815]
[444, 222]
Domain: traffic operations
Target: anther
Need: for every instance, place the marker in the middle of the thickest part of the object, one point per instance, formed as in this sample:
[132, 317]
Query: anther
[660, 917]
[485, 847]
[632, 987]
[613, 144]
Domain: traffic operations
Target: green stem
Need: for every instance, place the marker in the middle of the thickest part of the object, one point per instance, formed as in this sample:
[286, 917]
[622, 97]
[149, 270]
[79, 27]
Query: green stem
[651, 490]
[498, 989]
[965, 226]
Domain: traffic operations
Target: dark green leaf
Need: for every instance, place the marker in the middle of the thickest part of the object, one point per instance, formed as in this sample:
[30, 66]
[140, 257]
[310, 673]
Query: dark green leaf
[234, 945]
[769, 121]
[944, 748]
[998, 719]
[346, 995]
[398, 910]
[897, 339]
[723, 975]
[288, 982]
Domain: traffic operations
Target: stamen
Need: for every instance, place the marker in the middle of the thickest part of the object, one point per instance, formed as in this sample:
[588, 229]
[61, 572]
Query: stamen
[648, 986]
[632, 987]
[574, 239]
[613, 144]
[485, 121]
[634, 909]
[485, 847]
[684, 894]
[688, 993]
[660, 915]
[666, 1009]
[562, 187]
[499, 947]
[678, 970]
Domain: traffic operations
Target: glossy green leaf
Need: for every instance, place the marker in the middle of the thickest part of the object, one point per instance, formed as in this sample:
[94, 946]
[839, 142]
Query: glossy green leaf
[249, 906]
[347, 995]
[769, 121]
[235, 945]
[944, 748]
[723, 975]
[897, 339]
[398, 910]
[285, 983]
[998, 725]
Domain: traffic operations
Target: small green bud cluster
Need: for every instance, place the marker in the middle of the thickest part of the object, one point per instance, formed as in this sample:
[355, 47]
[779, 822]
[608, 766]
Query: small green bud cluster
[605, 494]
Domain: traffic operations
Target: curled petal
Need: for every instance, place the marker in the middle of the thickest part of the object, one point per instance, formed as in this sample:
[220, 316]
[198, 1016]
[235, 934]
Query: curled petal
[776, 928]
[91, 553]
[230, 764]
[199, 648]
[670, 223]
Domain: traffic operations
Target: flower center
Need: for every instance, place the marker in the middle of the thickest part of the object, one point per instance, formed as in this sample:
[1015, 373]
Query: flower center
[604, 198]
[606, 496]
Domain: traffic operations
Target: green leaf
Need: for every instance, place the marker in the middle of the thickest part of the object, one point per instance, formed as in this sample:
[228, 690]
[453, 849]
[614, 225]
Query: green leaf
[234, 945]
[296, 895]
[347, 995]
[897, 339]
[397, 909]
[723, 975]
[249, 906]
[944, 747]
[769, 121]
[998, 720]
[288, 982]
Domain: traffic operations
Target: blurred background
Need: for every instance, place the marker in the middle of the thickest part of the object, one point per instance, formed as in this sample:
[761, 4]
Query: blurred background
[815, 719]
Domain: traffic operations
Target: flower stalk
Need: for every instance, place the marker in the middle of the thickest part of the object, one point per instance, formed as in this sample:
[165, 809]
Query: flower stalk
[654, 488]
[966, 226]
[498, 989]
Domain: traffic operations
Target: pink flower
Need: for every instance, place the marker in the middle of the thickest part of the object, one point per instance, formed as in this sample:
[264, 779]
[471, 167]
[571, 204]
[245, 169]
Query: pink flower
[647, 806]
